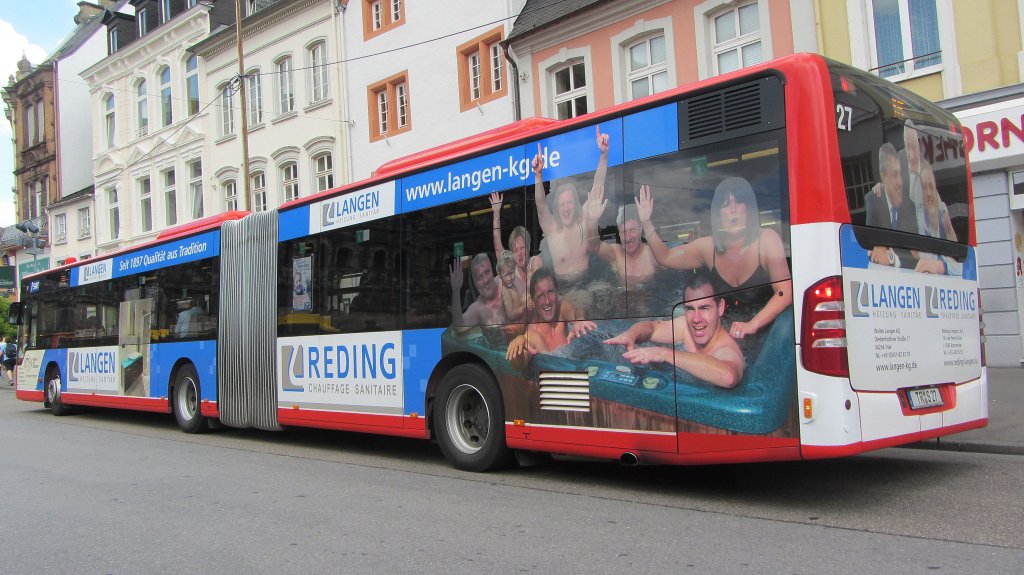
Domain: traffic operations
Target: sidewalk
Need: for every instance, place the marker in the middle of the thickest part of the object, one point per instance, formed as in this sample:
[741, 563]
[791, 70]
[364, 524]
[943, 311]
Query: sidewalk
[1005, 431]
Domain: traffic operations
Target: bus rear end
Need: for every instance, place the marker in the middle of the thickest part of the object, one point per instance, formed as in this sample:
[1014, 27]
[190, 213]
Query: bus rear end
[890, 338]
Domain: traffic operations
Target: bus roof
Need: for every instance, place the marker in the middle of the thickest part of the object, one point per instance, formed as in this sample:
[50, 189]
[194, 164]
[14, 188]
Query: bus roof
[502, 136]
[191, 228]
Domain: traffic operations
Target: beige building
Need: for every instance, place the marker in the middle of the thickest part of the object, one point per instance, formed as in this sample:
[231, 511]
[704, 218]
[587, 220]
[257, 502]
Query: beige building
[968, 57]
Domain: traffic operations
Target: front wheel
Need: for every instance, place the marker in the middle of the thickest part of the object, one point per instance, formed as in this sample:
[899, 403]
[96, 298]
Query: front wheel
[186, 401]
[469, 418]
[53, 388]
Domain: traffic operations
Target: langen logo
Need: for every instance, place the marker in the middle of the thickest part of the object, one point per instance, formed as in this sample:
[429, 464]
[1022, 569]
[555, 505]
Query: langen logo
[883, 300]
[351, 208]
[89, 366]
[95, 271]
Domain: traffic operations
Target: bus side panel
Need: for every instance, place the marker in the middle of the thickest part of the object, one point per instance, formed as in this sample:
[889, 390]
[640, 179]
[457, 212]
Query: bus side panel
[202, 354]
[421, 350]
[29, 374]
[345, 381]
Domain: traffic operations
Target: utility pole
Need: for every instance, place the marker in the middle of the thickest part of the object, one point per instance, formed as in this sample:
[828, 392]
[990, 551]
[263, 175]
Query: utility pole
[242, 94]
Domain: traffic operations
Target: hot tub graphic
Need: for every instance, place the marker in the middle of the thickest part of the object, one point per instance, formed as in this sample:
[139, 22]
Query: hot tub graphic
[587, 375]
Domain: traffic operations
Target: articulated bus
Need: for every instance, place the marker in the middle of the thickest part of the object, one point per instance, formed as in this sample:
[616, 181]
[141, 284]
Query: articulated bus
[773, 264]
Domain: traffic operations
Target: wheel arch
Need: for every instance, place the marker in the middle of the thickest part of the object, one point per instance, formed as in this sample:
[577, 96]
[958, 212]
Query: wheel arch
[442, 368]
[173, 379]
[50, 367]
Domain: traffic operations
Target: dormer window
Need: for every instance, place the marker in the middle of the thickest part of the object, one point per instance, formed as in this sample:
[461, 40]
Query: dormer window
[140, 18]
[111, 40]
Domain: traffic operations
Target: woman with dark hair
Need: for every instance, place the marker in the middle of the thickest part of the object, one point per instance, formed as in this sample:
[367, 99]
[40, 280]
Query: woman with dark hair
[747, 263]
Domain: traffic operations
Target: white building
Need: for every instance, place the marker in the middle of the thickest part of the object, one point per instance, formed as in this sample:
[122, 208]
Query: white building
[295, 115]
[70, 217]
[147, 109]
[420, 74]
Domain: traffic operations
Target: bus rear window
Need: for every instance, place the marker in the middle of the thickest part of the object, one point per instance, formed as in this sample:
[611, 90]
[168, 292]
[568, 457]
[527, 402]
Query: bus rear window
[903, 159]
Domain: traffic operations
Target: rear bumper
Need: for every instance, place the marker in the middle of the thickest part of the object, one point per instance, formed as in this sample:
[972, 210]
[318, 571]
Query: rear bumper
[885, 420]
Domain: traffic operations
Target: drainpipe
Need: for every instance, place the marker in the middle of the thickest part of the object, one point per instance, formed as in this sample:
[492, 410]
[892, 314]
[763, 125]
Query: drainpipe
[517, 114]
[342, 110]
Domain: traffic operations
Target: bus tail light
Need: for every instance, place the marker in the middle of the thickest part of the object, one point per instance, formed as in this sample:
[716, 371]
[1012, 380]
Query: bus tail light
[823, 329]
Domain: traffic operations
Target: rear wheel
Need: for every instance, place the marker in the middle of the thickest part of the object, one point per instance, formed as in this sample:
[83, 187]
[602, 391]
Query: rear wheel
[469, 418]
[53, 385]
[186, 401]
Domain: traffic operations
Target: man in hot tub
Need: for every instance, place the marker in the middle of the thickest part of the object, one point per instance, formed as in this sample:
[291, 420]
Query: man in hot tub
[550, 320]
[711, 353]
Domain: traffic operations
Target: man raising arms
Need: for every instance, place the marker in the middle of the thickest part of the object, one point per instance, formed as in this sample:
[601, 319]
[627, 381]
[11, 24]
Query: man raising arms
[564, 230]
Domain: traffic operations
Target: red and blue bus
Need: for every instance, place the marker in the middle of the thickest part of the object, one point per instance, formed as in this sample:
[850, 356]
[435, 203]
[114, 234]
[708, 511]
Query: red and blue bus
[772, 264]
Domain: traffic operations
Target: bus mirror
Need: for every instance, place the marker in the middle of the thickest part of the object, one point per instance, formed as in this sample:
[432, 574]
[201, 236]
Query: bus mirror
[14, 313]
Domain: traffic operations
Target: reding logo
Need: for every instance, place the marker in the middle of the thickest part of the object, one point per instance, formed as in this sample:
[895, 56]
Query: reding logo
[305, 364]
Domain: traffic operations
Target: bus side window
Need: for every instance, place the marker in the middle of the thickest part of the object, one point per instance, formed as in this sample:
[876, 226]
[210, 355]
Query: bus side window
[359, 268]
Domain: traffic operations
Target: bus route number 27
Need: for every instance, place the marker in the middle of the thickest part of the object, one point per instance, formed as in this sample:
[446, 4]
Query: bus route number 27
[844, 117]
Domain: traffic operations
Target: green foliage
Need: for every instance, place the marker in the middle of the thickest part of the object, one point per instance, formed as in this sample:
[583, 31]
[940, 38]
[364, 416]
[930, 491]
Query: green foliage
[5, 329]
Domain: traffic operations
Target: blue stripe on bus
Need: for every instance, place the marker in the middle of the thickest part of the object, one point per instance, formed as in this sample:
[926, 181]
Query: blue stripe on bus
[421, 350]
[850, 250]
[651, 133]
[566, 155]
[173, 252]
[971, 265]
[293, 224]
[202, 354]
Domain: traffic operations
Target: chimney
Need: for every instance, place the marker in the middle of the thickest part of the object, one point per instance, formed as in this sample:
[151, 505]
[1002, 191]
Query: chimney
[87, 10]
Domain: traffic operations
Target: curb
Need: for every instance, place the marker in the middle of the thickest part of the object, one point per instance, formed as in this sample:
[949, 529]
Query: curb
[968, 447]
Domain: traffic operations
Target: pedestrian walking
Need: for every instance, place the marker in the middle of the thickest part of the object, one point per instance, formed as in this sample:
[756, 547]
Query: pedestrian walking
[10, 357]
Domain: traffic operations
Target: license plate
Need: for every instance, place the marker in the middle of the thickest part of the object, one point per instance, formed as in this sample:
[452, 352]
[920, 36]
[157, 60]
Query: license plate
[924, 397]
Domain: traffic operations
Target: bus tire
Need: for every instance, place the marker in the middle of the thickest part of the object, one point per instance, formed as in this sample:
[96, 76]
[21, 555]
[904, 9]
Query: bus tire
[469, 419]
[186, 401]
[53, 385]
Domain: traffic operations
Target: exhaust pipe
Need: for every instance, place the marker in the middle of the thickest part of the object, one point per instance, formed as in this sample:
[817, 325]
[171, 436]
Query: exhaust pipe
[629, 459]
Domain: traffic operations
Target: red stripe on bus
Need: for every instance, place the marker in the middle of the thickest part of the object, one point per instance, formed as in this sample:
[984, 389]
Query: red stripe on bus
[209, 409]
[117, 401]
[29, 395]
[829, 451]
[399, 425]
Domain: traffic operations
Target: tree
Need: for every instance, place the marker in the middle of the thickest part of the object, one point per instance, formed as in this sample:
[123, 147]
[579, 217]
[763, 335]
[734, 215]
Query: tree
[6, 330]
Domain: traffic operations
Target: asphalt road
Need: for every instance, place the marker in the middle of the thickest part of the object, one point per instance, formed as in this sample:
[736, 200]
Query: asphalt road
[119, 492]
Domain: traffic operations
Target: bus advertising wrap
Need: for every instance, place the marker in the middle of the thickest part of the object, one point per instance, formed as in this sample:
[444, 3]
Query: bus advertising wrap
[358, 372]
[185, 250]
[920, 328]
[563, 155]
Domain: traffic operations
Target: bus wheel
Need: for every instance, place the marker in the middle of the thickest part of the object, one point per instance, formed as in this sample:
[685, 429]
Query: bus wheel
[186, 401]
[469, 419]
[57, 407]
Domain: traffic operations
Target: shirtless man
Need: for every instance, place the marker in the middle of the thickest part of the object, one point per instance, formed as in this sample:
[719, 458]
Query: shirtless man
[548, 329]
[564, 231]
[711, 353]
[487, 309]
[632, 260]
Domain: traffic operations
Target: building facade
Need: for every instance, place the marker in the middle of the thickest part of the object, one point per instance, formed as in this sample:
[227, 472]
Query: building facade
[295, 119]
[30, 99]
[147, 108]
[589, 55]
[418, 75]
